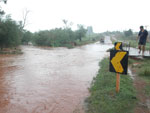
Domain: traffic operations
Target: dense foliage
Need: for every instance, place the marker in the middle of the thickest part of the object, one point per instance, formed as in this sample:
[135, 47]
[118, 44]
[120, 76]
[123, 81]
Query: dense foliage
[58, 37]
[10, 33]
[26, 38]
[128, 33]
[1, 11]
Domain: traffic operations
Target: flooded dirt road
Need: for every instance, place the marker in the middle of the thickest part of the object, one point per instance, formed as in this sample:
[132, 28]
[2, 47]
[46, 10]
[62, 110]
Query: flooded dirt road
[48, 80]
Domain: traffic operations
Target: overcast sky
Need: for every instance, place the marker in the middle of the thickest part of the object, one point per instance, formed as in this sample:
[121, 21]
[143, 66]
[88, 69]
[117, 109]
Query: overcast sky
[103, 15]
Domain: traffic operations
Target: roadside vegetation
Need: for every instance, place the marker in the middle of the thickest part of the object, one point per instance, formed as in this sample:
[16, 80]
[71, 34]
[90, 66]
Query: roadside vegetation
[9, 33]
[13, 34]
[142, 69]
[103, 97]
[64, 37]
[128, 36]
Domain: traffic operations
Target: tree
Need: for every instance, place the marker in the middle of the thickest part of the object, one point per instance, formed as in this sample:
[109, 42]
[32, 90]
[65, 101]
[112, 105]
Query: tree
[42, 38]
[22, 25]
[67, 24]
[27, 35]
[80, 32]
[9, 33]
[128, 33]
[24, 21]
[55, 37]
[1, 11]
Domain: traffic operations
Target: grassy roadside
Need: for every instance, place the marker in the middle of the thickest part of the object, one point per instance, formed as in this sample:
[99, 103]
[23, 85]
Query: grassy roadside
[103, 98]
[132, 40]
[85, 40]
[88, 40]
[134, 44]
[142, 69]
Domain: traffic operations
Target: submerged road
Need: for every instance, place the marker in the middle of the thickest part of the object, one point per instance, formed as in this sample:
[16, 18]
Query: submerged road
[48, 80]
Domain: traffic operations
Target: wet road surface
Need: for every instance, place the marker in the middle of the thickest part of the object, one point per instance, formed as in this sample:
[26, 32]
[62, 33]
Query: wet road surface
[48, 80]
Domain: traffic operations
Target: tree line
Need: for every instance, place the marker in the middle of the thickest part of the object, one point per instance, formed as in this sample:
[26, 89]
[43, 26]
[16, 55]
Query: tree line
[10, 33]
[13, 34]
[58, 37]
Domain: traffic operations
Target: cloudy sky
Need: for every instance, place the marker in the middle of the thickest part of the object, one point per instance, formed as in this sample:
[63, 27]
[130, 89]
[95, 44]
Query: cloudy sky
[101, 14]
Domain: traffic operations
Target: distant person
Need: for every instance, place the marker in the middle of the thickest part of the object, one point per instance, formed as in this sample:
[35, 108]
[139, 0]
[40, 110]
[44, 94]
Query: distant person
[142, 36]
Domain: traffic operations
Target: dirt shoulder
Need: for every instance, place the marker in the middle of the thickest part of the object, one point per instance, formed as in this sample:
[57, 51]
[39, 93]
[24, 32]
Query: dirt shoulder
[141, 82]
[15, 50]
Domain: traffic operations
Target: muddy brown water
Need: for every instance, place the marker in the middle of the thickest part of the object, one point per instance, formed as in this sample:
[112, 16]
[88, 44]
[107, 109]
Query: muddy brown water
[48, 80]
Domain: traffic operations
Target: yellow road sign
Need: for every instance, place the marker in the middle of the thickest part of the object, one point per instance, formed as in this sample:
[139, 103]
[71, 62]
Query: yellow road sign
[118, 45]
[118, 61]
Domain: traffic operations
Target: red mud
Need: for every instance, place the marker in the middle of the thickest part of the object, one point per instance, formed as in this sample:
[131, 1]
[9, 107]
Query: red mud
[53, 80]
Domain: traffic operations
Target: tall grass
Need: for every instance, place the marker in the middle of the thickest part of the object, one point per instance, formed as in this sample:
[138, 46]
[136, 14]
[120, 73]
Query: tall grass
[104, 99]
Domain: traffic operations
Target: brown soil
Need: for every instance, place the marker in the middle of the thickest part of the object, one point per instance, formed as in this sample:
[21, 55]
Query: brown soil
[142, 105]
[16, 50]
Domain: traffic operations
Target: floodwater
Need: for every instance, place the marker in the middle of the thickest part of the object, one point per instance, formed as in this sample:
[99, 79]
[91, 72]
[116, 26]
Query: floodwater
[48, 80]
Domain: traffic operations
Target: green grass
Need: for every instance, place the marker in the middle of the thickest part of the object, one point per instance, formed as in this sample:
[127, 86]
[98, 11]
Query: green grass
[132, 40]
[104, 99]
[134, 43]
[87, 40]
[143, 67]
[147, 90]
[143, 71]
